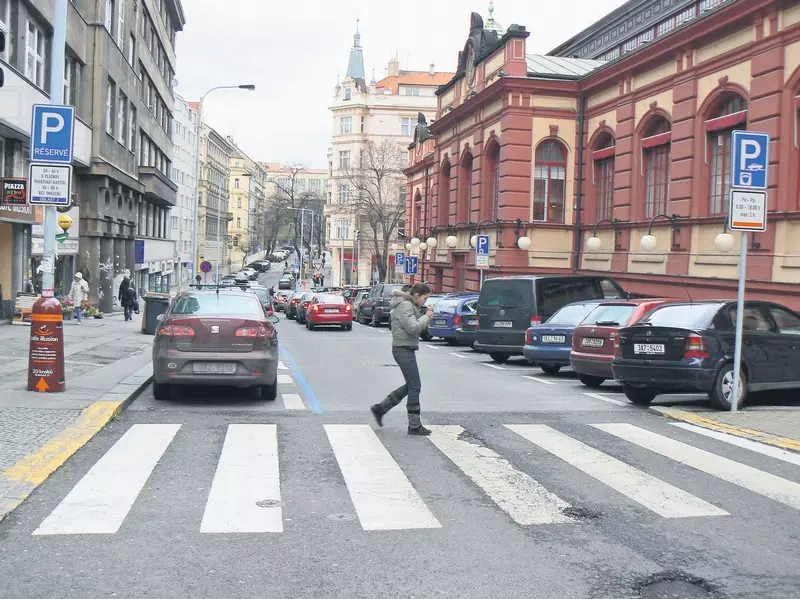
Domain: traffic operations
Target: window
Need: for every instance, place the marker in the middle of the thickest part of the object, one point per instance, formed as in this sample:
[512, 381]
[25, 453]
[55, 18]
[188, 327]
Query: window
[493, 162]
[109, 16]
[363, 123]
[236, 241]
[238, 222]
[239, 203]
[236, 184]
[121, 25]
[348, 93]
[346, 125]
[549, 184]
[443, 195]
[344, 193]
[110, 97]
[70, 81]
[122, 118]
[5, 19]
[132, 128]
[34, 51]
[603, 157]
[343, 229]
[731, 115]
[174, 222]
[344, 159]
[131, 49]
[656, 147]
[464, 204]
[411, 91]
[407, 125]
[788, 322]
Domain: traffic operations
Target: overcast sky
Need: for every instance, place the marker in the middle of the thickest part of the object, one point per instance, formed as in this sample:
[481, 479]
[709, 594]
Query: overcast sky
[291, 51]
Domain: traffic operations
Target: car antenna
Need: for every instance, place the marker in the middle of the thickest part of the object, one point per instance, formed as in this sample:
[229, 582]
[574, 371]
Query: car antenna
[685, 288]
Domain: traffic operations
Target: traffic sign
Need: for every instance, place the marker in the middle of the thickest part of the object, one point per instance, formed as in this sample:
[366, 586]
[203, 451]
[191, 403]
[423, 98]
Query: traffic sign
[411, 264]
[749, 159]
[52, 133]
[50, 184]
[748, 210]
[62, 237]
[399, 262]
[482, 251]
[205, 266]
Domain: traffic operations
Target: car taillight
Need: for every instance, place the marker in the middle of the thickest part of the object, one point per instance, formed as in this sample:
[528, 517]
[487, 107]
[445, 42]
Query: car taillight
[305, 305]
[536, 320]
[294, 301]
[529, 337]
[315, 308]
[175, 331]
[695, 347]
[348, 308]
[617, 346]
[457, 320]
[251, 332]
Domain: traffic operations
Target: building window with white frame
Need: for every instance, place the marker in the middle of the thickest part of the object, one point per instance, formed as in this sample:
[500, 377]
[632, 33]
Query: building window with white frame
[344, 159]
[5, 20]
[407, 125]
[110, 114]
[35, 54]
[109, 16]
[343, 229]
[132, 128]
[348, 93]
[131, 49]
[346, 125]
[344, 193]
[121, 25]
[71, 70]
[122, 118]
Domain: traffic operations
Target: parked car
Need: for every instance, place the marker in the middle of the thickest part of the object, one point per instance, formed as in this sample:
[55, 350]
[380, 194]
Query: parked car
[689, 347]
[211, 338]
[593, 340]
[448, 315]
[292, 306]
[327, 309]
[302, 306]
[357, 302]
[375, 309]
[465, 332]
[286, 282]
[260, 265]
[263, 295]
[431, 302]
[282, 300]
[351, 293]
[548, 345]
[508, 306]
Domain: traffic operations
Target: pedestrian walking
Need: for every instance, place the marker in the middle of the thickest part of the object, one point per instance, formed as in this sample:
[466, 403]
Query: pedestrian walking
[409, 318]
[127, 297]
[79, 292]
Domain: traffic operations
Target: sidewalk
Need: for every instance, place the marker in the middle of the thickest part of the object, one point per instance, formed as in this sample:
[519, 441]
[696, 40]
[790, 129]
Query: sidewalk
[107, 361]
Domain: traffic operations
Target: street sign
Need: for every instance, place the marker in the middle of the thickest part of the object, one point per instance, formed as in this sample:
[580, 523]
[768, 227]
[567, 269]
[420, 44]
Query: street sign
[205, 266]
[399, 262]
[50, 184]
[62, 237]
[482, 251]
[748, 210]
[749, 160]
[52, 133]
[411, 265]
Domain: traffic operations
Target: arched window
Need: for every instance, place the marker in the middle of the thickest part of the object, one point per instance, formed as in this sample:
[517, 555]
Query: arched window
[549, 183]
[491, 201]
[730, 114]
[443, 199]
[416, 222]
[465, 189]
[603, 157]
[656, 148]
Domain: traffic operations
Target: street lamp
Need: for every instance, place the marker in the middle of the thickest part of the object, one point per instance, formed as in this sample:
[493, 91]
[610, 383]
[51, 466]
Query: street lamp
[302, 212]
[248, 87]
[594, 243]
[649, 242]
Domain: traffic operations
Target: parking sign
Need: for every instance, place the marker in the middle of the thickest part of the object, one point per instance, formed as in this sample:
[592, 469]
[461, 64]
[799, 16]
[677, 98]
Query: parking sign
[52, 132]
[399, 262]
[411, 265]
[749, 160]
[482, 251]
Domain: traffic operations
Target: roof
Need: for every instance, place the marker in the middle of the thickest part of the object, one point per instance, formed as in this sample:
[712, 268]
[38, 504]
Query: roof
[556, 66]
[195, 105]
[414, 78]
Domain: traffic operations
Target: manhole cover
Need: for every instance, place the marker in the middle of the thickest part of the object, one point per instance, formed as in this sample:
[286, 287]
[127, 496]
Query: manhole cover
[341, 517]
[269, 503]
[581, 513]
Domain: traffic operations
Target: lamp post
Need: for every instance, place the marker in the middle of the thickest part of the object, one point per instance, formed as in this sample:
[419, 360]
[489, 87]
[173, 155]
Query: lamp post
[197, 175]
[302, 212]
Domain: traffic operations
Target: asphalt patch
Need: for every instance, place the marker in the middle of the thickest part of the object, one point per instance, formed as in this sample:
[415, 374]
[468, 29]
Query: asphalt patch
[675, 584]
[581, 513]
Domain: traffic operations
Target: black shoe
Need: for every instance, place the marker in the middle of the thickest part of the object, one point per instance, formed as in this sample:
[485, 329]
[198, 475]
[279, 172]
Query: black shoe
[377, 413]
[420, 431]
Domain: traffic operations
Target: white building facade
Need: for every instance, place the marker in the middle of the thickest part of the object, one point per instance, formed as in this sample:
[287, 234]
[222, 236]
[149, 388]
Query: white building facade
[184, 175]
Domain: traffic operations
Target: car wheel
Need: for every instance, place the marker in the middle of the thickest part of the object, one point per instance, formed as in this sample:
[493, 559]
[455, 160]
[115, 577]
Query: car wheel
[162, 391]
[720, 395]
[269, 392]
[348, 327]
[549, 368]
[499, 358]
[591, 381]
[425, 336]
[290, 316]
[451, 341]
[308, 325]
[638, 395]
[375, 322]
[360, 317]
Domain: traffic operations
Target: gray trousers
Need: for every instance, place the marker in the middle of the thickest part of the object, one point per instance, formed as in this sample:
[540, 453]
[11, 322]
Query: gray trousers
[406, 358]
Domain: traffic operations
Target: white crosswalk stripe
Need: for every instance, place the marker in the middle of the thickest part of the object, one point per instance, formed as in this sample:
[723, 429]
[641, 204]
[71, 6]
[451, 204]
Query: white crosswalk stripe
[100, 501]
[654, 494]
[292, 401]
[285, 379]
[768, 450]
[281, 365]
[247, 474]
[763, 483]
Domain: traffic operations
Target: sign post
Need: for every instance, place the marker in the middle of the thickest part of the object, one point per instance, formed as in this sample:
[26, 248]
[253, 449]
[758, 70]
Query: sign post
[747, 212]
[482, 254]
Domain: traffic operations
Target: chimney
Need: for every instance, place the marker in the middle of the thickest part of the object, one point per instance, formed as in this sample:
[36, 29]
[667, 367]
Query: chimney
[394, 67]
[432, 70]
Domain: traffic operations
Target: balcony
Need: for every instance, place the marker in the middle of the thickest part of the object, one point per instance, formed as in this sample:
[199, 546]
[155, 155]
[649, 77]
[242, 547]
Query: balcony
[157, 187]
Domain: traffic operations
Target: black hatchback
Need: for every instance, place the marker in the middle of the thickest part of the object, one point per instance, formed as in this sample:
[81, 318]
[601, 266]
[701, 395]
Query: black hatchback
[689, 347]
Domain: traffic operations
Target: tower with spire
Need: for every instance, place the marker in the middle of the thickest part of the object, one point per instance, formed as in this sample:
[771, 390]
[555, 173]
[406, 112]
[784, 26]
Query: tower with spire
[355, 66]
[491, 24]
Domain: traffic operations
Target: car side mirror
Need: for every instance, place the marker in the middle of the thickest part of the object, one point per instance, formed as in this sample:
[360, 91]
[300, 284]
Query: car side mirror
[274, 319]
[160, 317]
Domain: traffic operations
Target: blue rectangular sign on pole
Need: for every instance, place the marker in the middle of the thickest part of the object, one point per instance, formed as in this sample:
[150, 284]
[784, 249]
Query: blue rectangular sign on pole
[52, 133]
[749, 160]
[482, 251]
[399, 262]
[411, 265]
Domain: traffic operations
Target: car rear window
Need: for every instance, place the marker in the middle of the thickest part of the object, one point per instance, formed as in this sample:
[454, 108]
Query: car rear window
[506, 294]
[571, 314]
[447, 306]
[262, 294]
[611, 315]
[553, 293]
[214, 304]
[387, 289]
[308, 297]
[684, 316]
[331, 299]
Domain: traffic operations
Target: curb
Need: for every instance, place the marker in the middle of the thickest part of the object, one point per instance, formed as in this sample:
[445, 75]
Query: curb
[746, 433]
[19, 481]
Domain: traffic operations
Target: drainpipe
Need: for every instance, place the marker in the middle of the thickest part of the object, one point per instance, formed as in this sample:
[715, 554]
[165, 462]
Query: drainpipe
[579, 191]
[422, 277]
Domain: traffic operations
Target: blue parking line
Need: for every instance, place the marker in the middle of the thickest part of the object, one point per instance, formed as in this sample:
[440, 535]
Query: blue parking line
[316, 406]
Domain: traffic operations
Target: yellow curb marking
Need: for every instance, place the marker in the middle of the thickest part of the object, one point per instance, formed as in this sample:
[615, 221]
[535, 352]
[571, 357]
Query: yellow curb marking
[35, 468]
[768, 438]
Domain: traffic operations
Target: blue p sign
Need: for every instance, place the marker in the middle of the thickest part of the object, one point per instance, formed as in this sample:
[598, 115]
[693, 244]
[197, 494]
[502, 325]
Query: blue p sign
[749, 160]
[52, 133]
[400, 258]
[482, 245]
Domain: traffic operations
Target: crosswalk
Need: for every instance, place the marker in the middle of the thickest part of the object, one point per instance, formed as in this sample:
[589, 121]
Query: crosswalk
[513, 471]
[291, 401]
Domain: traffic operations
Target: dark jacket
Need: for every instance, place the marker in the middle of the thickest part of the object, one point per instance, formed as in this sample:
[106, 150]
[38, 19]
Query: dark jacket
[127, 293]
[407, 320]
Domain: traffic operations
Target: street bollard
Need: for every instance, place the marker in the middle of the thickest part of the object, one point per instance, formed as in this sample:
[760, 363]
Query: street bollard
[46, 352]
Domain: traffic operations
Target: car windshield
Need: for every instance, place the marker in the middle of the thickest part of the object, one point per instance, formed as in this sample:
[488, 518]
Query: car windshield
[214, 304]
[684, 316]
[331, 299]
[612, 315]
[571, 314]
[447, 306]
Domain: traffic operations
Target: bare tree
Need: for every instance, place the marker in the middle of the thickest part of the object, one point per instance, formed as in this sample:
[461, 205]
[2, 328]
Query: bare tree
[376, 197]
[290, 195]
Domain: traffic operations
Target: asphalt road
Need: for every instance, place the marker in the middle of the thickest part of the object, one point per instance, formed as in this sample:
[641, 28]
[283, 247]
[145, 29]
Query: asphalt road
[529, 488]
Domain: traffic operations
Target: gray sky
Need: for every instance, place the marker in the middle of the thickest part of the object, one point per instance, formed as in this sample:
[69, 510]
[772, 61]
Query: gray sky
[291, 50]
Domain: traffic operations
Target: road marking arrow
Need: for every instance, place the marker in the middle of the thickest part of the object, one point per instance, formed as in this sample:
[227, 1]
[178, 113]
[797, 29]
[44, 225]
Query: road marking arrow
[42, 385]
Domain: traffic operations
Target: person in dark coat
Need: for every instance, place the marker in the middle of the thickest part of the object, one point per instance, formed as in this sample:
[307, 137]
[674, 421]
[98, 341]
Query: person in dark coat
[127, 297]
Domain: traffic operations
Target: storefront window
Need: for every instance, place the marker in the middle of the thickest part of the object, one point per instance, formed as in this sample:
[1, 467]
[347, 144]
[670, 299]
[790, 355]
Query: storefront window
[158, 283]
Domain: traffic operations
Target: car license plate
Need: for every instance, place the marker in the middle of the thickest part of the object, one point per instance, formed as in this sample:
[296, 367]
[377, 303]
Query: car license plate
[439, 323]
[472, 323]
[592, 342]
[331, 311]
[648, 348]
[554, 339]
[503, 324]
[214, 368]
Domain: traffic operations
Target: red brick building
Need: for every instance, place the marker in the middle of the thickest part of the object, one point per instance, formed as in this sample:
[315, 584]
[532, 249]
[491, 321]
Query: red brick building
[629, 120]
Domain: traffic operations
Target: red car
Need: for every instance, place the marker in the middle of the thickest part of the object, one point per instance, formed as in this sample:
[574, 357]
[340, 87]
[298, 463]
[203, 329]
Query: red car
[593, 340]
[328, 309]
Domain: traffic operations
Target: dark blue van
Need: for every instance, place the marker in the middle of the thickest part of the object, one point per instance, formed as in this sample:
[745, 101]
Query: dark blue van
[449, 314]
